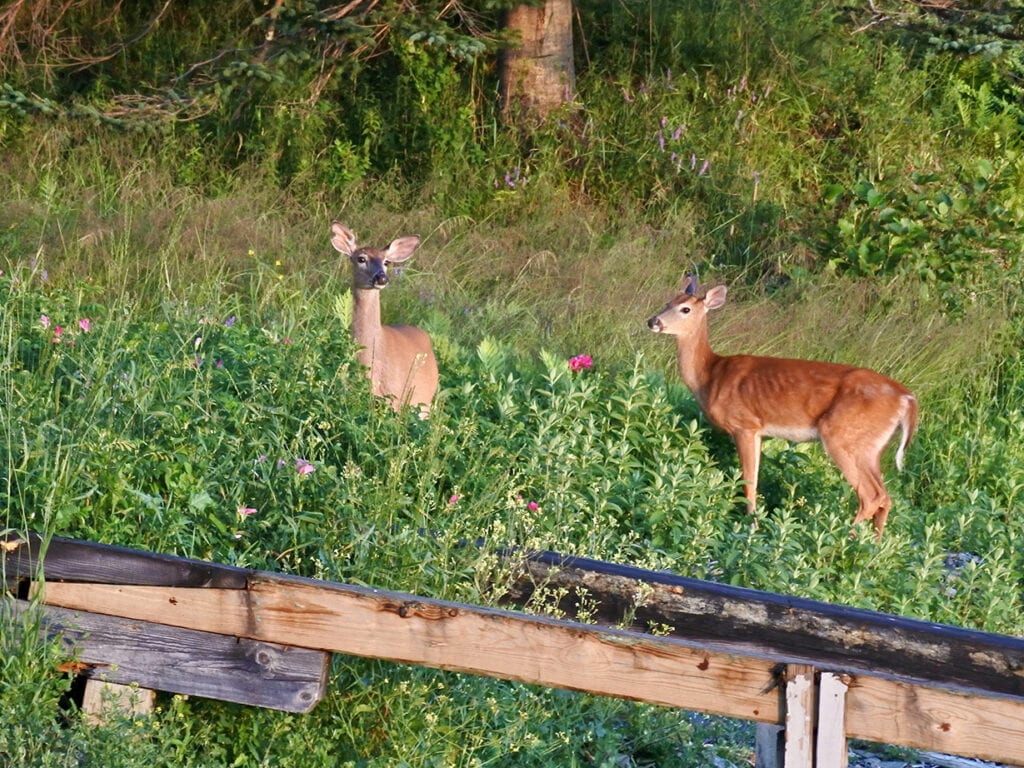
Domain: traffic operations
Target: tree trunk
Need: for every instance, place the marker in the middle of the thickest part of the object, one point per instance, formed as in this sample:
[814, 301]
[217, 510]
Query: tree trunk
[538, 76]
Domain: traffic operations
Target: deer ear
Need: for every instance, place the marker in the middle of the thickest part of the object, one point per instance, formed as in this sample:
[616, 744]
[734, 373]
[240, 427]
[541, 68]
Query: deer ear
[343, 239]
[690, 285]
[402, 248]
[715, 297]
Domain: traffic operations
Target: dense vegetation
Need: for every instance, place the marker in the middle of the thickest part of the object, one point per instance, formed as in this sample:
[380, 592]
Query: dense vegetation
[176, 371]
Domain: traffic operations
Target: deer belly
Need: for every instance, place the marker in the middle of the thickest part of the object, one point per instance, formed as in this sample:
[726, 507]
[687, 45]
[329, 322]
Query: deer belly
[793, 433]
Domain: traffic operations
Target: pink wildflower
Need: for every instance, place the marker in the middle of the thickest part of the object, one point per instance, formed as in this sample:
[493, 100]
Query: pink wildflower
[85, 324]
[581, 362]
[44, 320]
[246, 511]
[454, 499]
[304, 467]
[533, 506]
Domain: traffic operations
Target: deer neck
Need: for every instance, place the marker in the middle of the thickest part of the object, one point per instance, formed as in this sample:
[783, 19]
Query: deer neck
[695, 358]
[366, 327]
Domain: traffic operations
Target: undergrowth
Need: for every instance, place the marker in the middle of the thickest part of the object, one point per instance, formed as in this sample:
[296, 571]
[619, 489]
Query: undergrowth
[224, 432]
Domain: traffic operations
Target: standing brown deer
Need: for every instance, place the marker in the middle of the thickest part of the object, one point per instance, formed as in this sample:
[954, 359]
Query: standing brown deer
[400, 358]
[853, 411]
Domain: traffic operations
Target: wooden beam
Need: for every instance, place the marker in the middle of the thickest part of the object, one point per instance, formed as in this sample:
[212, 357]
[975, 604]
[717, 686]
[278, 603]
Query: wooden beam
[785, 628]
[151, 655]
[465, 638]
[452, 636]
[900, 713]
[101, 699]
[62, 559]
[899, 667]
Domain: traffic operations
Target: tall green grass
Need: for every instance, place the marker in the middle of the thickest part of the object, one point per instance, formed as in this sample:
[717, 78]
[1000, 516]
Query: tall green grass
[217, 359]
[163, 424]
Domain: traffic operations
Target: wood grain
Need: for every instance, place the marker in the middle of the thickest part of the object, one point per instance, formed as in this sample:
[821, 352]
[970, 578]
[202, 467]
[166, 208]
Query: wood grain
[167, 658]
[60, 559]
[899, 713]
[464, 638]
[830, 748]
[452, 636]
[786, 628]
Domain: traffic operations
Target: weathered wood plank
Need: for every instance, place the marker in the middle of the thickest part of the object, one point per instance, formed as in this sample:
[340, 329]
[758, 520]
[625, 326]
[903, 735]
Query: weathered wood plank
[388, 625]
[446, 635]
[831, 748]
[74, 560]
[801, 716]
[899, 713]
[789, 629]
[452, 636]
[167, 658]
[784, 628]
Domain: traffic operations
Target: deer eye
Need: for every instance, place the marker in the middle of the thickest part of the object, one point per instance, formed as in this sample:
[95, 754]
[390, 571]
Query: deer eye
[684, 310]
[360, 259]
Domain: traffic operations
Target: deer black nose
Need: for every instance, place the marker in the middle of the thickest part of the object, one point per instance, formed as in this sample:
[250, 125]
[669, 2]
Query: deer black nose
[380, 279]
[654, 324]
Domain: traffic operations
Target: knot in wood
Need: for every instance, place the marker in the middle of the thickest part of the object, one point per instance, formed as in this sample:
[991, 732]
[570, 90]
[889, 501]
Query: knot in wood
[413, 608]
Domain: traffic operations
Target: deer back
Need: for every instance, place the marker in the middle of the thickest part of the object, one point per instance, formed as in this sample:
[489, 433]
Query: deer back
[775, 396]
[787, 398]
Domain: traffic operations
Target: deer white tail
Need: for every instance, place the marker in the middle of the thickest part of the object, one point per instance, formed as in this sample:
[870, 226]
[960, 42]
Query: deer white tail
[908, 424]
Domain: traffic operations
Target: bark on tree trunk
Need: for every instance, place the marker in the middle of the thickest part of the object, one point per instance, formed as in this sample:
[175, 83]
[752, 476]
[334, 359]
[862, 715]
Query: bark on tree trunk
[540, 75]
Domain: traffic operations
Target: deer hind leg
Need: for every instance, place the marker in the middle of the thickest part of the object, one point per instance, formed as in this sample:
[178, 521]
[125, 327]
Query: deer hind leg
[860, 463]
[874, 500]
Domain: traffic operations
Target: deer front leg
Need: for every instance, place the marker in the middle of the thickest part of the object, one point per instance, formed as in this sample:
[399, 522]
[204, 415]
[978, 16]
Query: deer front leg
[748, 444]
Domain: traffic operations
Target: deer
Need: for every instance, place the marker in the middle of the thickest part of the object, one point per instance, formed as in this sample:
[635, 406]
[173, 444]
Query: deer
[399, 359]
[853, 411]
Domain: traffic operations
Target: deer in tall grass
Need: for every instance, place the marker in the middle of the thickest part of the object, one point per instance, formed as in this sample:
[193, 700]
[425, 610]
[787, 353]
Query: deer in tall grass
[853, 411]
[399, 358]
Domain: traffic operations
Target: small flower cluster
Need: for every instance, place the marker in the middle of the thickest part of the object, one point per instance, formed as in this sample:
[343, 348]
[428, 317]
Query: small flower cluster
[531, 505]
[513, 179]
[676, 157]
[59, 334]
[302, 467]
[197, 342]
[580, 363]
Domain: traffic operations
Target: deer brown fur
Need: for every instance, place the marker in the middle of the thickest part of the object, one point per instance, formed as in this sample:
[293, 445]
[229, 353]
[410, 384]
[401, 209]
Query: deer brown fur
[399, 359]
[853, 411]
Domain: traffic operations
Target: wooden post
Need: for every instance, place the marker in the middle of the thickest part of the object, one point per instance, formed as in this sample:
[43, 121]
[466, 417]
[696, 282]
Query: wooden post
[815, 732]
[831, 747]
[769, 745]
[103, 699]
[800, 716]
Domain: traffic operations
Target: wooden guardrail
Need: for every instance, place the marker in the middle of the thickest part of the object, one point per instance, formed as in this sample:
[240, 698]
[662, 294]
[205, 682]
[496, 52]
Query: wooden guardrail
[827, 673]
